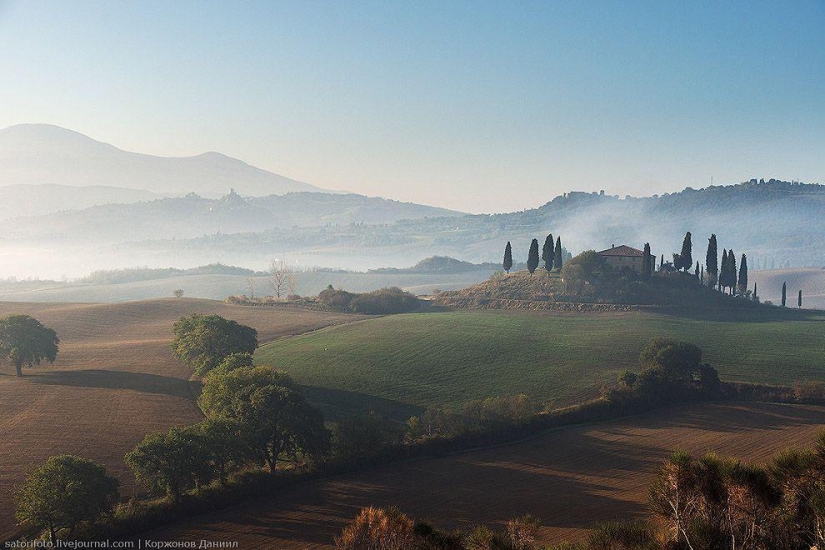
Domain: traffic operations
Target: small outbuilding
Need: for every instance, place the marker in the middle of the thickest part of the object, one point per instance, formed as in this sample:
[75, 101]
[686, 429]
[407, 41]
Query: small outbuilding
[623, 256]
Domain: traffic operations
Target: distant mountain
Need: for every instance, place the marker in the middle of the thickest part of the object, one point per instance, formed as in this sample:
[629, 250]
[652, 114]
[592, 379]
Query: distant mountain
[44, 154]
[36, 200]
[193, 216]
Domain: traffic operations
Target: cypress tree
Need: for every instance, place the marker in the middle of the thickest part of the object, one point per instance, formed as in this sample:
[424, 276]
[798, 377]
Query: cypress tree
[731, 271]
[711, 261]
[508, 258]
[784, 293]
[686, 255]
[743, 274]
[647, 262]
[799, 301]
[723, 270]
[533, 256]
[557, 260]
[755, 295]
[547, 253]
[662, 262]
[696, 271]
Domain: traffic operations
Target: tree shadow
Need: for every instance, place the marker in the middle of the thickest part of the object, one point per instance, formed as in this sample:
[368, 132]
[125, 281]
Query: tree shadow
[116, 380]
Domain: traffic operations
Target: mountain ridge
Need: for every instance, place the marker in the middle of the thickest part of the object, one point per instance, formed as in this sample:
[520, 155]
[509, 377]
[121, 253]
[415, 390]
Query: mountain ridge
[49, 154]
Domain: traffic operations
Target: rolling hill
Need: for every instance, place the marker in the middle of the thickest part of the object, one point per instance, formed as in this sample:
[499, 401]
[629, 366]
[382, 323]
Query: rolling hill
[569, 478]
[114, 381]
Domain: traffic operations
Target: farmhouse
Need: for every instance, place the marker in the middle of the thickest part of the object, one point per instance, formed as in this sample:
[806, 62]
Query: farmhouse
[623, 256]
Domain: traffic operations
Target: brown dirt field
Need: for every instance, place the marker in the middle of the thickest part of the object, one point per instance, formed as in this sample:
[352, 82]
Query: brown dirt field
[569, 478]
[114, 381]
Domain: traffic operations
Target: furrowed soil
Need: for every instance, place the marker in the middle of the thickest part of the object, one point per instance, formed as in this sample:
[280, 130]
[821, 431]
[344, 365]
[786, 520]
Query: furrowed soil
[115, 380]
[569, 478]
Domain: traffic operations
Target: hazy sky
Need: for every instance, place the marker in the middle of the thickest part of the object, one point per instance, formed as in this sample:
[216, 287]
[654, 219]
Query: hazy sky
[479, 106]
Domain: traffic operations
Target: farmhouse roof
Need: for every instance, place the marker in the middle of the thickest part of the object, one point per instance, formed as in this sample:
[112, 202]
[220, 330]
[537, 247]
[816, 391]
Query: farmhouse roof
[622, 250]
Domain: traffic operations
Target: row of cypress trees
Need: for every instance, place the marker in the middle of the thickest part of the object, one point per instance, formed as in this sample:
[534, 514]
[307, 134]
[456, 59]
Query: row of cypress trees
[726, 276]
[551, 255]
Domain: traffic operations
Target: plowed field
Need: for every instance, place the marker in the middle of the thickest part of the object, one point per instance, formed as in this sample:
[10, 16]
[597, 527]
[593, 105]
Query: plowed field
[114, 381]
[569, 478]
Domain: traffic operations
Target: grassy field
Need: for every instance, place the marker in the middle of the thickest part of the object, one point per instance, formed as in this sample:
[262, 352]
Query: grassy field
[568, 478]
[400, 363]
[114, 381]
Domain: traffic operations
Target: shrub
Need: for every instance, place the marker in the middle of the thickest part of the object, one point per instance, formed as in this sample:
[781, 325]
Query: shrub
[377, 529]
[384, 301]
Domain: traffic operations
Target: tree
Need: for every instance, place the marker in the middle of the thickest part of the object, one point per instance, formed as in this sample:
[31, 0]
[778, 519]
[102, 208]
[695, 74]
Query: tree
[204, 341]
[281, 277]
[273, 416]
[223, 443]
[711, 262]
[799, 300]
[533, 256]
[696, 271]
[731, 276]
[661, 262]
[784, 293]
[178, 293]
[64, 492]
[508, 258]
[558, 256]
[755, 295]
[686, 255]
[743, 275]
[723, 270]
[24, 341]
[172, 462]
[647, 262]
[548, 254]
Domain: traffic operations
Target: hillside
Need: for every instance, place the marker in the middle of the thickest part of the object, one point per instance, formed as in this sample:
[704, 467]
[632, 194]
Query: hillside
[568, 478]
[114, 381]
[18, 201]
[399, 362]
[192, 216]
[41, 153]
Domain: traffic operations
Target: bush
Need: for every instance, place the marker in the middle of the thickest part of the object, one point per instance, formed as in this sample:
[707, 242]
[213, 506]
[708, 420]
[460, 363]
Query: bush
[384, 301]
[376, 529]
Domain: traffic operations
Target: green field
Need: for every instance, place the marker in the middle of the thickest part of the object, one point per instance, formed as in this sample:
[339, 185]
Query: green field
[399, 363]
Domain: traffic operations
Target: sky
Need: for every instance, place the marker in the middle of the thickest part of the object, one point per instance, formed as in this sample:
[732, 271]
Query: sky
[477, 106]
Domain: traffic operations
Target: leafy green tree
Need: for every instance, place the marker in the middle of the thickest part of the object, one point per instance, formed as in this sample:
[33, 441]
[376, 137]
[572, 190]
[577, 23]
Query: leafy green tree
[647, 261]
[25, 342]
[223, 442]
[784, 293]
[548, 253]
[64, 492]
[508, 258]
[274, 418]
[232, 362]
[677, 358]
[743, 275]
[712, 262]
[686, 255]
[533, 256]
[171, 463]
[558, 256]
[204, 341]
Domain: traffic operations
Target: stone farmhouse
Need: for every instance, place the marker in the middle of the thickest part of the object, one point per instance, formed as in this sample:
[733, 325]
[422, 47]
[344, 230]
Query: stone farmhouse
[623, 256]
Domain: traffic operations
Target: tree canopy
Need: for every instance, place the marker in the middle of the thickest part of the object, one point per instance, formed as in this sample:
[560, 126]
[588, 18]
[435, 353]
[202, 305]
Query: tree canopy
[507, 264]
[274, 418]
[64, 492]
[204, 341]
[24, 341]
